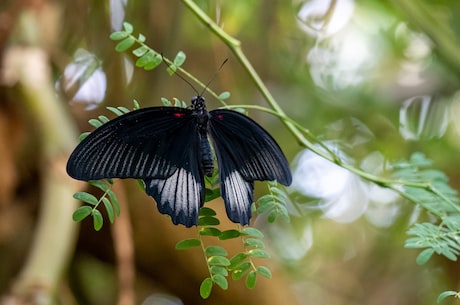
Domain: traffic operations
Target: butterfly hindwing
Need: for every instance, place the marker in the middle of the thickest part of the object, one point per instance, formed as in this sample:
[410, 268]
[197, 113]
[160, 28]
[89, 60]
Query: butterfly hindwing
[182, 194]
[245, 152]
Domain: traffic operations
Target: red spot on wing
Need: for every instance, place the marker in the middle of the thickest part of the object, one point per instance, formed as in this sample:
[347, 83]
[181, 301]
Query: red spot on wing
[178, 115]
[220, 117]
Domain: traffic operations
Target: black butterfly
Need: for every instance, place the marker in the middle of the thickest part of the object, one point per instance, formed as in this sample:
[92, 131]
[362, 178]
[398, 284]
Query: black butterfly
[168, 148]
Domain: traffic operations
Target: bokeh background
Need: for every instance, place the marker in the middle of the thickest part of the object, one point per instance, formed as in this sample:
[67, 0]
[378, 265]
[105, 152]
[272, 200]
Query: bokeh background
[376, 80]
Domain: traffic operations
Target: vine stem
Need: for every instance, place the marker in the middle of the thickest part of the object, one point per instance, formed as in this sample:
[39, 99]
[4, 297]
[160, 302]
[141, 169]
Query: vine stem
[297, 130]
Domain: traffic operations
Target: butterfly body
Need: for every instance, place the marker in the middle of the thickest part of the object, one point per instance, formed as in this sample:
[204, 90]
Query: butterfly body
[168, 148]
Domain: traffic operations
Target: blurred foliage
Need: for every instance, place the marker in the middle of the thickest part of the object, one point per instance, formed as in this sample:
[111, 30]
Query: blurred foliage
[325, 76]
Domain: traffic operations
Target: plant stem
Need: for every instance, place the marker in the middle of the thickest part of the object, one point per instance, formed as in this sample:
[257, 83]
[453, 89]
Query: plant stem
[299, 131]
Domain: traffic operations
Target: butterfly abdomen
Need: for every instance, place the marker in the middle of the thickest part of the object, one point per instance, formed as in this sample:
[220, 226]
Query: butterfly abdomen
[207, 159]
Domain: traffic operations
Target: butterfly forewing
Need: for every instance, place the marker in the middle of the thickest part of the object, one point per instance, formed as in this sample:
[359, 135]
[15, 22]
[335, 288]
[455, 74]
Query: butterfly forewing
[245, 152]
[138, 144]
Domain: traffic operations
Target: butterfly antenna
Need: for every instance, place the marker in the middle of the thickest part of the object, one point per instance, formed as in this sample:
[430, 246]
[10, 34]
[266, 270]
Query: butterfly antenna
[180, 76]
[214, 76]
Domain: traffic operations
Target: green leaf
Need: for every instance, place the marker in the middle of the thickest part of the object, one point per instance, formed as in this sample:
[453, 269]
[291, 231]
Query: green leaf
[141, 38]
[177, 102]
[253, 232]
[205, 211]
[208, 231]
[149, 60]
[241, 271]
[166, 102]
[109, 209]
[218, 261]
[125, 44]
[251, 280]
[123, 109]
[206, 288]
[221, 281]
[208, 221]
[86, 197]
[171, 69]
[264, 271]
[260, 253]
[83, 136]
[136, 105]
[219, 270]
[103, 119]
[179, 59]
[424, 256]
[128, 27]
[272, 216]
[224, 95]
[118, 35]
[115, 203]
[115, 110]
[229, 234]
[140, 51]
[236, 260]
[215, 251]
[188, 243]
[254, 242]
[97, 220]
[95, 123]
[446, 294]
[99, 184]
[211, 194]
[81, 213]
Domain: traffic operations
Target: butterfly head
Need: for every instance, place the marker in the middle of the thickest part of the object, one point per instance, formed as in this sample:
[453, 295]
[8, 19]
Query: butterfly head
[198, 103]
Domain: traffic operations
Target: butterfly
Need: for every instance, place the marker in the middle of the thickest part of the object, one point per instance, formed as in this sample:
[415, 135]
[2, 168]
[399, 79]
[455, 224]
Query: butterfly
[168, 148]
